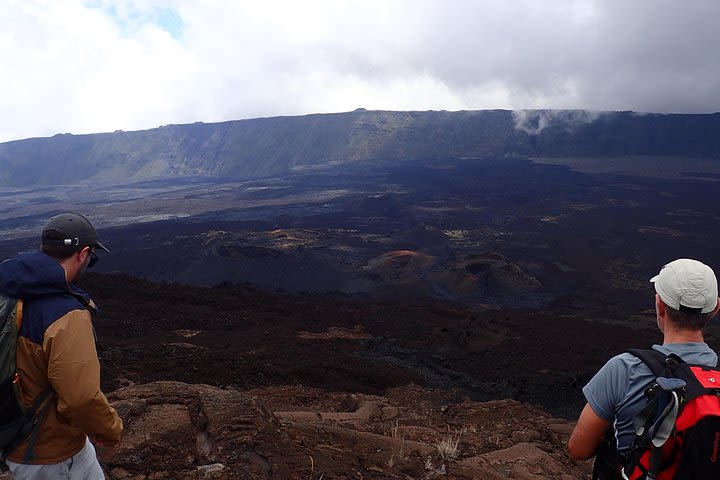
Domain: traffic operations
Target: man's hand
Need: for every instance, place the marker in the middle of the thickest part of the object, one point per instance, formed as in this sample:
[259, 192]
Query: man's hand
[105, 451]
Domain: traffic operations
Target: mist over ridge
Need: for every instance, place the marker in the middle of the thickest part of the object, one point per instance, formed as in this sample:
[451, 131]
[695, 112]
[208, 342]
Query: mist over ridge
[263, 147]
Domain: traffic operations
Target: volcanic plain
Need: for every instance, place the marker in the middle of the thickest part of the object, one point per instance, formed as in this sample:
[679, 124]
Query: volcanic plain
[357, 317]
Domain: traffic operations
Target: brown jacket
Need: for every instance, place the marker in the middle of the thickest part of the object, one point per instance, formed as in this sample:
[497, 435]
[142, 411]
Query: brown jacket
[58, 353]
[66, 362]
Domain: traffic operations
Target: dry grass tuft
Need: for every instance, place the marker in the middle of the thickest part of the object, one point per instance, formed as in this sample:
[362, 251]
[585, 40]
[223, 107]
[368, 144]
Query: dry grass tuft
[398, 434]
[449, 446]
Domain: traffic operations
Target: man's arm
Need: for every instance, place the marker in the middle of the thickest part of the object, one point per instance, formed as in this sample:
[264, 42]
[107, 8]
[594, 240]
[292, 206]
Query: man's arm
[587, 435]
[74, 373]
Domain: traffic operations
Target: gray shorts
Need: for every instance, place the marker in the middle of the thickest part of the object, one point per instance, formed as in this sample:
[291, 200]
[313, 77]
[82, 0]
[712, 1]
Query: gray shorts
[81, 466]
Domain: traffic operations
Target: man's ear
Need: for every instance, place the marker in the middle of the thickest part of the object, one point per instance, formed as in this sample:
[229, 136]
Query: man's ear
[717, 308]
[660, 312]
[659, 305]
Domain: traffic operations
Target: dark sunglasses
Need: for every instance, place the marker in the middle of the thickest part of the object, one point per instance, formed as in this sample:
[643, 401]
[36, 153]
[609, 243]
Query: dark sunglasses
[93, 259]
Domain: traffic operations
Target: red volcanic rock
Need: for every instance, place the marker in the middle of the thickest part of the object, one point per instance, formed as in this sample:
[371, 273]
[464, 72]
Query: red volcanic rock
[472, 276]
[398, 261]
[489, 273]
[181, 431]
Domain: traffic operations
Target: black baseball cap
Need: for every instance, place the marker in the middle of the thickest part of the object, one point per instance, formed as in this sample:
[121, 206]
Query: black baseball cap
[71, 230]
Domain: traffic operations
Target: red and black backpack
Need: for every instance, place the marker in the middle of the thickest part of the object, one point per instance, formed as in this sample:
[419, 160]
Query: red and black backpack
[678, 430]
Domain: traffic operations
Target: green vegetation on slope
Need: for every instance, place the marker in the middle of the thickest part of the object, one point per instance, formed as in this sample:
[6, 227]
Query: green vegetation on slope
[270, 146]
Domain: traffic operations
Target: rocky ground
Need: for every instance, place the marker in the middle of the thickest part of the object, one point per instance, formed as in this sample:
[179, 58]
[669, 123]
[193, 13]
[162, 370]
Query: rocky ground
[176, 430]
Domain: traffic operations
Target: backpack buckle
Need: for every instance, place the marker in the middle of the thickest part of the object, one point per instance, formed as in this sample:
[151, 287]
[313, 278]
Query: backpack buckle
[670, 384]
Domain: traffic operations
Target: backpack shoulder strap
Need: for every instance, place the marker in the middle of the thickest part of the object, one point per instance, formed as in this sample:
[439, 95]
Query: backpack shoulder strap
[656, 361]
[7, 307]
[33, 416]
[673, 366]
[19, 313]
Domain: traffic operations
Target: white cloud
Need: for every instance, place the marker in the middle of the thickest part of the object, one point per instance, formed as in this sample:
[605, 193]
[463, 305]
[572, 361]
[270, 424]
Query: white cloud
[101, 65]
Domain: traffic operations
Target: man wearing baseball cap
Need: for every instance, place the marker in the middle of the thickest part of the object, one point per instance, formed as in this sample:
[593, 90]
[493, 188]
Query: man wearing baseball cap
[686, 299]
[56, 355]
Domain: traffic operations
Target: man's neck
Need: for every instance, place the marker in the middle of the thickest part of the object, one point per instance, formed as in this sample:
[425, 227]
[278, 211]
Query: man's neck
[68, 268]
[683, 336]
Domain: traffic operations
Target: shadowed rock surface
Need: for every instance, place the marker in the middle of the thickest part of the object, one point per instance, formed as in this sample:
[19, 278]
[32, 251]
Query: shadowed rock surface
[176, 430]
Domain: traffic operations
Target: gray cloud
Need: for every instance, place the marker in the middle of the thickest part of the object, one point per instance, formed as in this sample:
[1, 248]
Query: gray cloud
[105, 65]
[533, 122]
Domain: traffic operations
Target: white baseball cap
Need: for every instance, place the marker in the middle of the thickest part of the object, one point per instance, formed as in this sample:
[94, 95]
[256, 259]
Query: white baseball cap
[687, 283]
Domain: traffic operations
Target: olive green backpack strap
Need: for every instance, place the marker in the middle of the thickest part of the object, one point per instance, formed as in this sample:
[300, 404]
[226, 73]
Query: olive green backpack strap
[23, 422]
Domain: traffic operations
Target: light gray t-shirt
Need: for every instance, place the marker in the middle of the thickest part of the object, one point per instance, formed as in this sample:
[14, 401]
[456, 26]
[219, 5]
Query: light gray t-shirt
[617, 392]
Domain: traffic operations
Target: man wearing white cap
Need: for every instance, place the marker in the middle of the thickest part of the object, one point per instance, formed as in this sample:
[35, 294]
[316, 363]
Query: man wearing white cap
[686, 299]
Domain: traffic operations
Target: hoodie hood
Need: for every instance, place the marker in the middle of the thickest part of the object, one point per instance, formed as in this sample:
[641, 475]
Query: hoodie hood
[34, 274]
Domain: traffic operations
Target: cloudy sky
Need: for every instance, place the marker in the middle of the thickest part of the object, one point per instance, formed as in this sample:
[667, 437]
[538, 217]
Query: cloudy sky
[100, 65]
